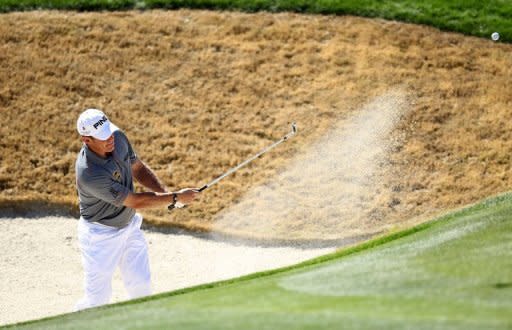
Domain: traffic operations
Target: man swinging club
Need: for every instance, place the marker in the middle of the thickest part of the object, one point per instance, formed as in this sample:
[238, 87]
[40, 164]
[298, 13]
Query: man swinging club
[109, 228]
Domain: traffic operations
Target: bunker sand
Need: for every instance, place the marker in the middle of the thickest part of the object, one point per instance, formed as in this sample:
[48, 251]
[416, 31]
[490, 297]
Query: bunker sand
[42, 273]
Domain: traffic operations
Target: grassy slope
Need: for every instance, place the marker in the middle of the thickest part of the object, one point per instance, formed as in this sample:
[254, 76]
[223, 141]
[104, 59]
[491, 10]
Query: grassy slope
[479, 18]
[452, 274]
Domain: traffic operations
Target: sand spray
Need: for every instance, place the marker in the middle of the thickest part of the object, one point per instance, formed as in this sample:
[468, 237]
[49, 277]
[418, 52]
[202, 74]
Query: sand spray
[324, 191]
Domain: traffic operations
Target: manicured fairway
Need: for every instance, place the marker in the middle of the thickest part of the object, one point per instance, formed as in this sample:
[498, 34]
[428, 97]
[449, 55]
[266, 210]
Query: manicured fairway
[455, 273]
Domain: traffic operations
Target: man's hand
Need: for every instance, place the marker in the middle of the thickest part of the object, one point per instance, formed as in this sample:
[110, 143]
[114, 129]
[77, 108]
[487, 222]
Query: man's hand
[187, 195]
[151, 199]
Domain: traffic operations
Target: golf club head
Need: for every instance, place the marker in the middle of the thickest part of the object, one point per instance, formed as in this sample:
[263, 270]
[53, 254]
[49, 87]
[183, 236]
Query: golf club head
[292, 132]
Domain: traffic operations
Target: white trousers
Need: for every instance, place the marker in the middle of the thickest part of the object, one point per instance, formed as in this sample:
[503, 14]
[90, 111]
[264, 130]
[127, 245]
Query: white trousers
[103, 249]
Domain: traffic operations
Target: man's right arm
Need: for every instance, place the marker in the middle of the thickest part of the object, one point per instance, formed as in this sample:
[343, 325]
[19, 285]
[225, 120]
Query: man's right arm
[154, 199]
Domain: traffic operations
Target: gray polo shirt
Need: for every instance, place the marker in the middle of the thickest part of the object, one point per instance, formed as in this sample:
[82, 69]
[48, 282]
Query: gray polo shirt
[104, 183]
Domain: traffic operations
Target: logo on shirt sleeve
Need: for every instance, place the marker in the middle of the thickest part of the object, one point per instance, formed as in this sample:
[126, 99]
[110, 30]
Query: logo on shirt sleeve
[116, 176]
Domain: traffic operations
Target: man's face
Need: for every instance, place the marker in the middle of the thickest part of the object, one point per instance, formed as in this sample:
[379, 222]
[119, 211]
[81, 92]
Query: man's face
[100, 147]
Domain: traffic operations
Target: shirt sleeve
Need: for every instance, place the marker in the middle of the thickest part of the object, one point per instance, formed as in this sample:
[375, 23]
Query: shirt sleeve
[128, 153]
[106, 189]
[131, 153]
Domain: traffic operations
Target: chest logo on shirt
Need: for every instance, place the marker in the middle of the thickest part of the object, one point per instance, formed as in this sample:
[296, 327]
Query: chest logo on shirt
[117, 176]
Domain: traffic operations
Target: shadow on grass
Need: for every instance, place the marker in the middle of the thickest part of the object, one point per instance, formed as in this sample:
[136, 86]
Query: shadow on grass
[505, 285]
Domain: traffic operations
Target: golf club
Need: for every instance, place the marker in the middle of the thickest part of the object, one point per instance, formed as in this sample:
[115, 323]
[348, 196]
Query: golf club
[236, 168]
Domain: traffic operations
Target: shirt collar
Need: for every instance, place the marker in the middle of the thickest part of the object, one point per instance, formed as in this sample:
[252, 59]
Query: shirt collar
[95, 158]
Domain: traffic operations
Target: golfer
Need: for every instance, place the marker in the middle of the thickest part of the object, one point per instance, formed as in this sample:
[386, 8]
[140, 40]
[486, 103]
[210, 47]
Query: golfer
[109, 228]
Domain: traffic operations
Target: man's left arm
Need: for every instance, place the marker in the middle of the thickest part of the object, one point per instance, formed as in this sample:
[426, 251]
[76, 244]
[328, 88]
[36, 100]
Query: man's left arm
[146, 177]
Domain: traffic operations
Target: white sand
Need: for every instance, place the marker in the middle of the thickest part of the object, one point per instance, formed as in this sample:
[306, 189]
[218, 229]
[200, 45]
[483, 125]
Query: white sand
[41, 274]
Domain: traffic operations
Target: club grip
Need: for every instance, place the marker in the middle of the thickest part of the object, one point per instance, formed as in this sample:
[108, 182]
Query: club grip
[179, 205]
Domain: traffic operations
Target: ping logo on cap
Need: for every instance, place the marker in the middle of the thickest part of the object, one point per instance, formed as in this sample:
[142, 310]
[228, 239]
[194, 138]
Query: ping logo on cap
[100, 122]
[93, 122]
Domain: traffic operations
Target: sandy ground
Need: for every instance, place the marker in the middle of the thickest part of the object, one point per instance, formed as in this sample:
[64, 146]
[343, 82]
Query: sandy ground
[42, 275]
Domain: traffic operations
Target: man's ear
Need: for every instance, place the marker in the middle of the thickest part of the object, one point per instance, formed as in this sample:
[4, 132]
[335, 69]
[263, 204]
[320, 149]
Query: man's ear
[86, 139]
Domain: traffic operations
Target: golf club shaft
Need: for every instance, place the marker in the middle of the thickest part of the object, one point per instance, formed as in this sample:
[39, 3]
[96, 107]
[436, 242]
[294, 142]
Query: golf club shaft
[247, 161]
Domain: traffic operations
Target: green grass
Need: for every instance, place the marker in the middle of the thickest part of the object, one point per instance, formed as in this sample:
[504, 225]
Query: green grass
[472, 17]
[453, 273]
[79, 5]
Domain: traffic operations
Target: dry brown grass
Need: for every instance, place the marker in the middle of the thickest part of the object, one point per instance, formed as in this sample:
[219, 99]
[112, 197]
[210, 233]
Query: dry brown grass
[199, 91]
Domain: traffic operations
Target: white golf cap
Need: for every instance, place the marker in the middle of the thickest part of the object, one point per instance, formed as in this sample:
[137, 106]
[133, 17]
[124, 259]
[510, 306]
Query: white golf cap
[93, 122]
